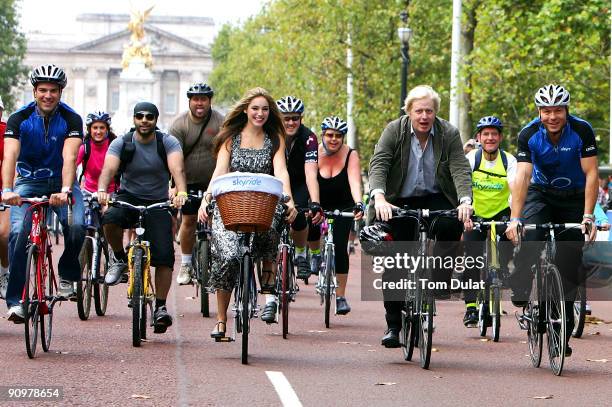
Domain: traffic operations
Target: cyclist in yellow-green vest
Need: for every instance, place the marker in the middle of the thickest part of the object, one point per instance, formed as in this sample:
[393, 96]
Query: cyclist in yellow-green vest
[493, 172]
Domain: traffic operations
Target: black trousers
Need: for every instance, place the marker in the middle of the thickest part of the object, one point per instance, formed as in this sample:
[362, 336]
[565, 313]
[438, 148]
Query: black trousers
[446, 232]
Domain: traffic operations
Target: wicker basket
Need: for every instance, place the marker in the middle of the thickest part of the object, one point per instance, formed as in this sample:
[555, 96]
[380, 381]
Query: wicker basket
[247, 211]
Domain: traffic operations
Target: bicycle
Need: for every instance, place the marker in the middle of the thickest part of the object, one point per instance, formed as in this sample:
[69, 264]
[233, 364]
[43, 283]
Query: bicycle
[201, 261]
[489, 298]
[419, 306]
[545, 309]
[140, 290]
[94, 260]
[326, 284]
[286, 278]
[38, 297]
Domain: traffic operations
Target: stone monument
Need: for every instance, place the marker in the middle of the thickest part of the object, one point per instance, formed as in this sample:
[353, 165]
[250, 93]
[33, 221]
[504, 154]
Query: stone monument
[136, 79]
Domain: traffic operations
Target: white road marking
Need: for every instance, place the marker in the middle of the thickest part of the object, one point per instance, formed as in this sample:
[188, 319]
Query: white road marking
[283, 389]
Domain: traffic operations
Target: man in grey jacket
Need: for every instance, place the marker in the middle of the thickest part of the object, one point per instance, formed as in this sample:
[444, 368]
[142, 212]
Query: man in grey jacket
[419, 161]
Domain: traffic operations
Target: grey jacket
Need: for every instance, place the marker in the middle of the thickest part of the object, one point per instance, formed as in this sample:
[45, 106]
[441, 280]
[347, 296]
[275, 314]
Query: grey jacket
[390, 160]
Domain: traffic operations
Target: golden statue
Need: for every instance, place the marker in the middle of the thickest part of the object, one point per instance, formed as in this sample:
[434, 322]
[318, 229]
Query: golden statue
[137, 49]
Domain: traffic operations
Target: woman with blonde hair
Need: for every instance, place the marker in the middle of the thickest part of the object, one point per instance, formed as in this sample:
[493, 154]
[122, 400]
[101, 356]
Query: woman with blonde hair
[252, 139]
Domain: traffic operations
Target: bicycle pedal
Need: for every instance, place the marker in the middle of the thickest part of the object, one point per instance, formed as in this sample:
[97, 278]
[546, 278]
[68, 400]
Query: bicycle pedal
[224, 339]
[520, 318]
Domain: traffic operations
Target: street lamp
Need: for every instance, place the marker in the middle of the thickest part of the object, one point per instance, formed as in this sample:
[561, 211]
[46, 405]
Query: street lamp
[404, 33]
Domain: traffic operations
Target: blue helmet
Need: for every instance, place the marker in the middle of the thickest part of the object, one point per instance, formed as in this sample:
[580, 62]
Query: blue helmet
[98, 116]
[200, 89]
[489, 121]
[334, 123]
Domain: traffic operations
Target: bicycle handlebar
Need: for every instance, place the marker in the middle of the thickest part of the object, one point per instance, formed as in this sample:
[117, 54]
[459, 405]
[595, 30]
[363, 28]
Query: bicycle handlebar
[337, 213]
[424, 213]
[140, 208]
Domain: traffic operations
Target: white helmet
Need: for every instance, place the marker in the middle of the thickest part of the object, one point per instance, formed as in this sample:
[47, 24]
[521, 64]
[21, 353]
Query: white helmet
[552, 95]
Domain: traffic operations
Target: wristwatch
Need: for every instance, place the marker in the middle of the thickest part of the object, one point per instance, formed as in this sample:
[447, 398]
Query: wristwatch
[465, 200]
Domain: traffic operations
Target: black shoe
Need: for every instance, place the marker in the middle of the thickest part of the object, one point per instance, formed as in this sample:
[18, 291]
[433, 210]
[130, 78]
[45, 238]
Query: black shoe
[342, 306]
[269, 313]
[162, 320]
[470, 319]
[303, 268]
[568, 351]
[391, 339]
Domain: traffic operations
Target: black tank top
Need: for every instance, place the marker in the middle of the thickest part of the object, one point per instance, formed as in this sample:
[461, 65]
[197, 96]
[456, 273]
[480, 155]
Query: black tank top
[335, 192]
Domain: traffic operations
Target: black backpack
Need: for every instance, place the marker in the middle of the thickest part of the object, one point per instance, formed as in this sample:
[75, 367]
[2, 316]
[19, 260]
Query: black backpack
[478, 159]
[128, 149]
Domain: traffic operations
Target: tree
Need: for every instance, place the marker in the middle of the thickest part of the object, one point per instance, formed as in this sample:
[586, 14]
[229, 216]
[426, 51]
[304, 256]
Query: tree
[12, 51]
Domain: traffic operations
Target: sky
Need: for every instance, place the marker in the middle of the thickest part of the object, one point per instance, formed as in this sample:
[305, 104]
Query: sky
[55, 16]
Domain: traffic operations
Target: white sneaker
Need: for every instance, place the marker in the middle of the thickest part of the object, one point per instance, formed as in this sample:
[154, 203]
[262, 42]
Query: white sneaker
[3, 285]
[16, 314]
[184, 275]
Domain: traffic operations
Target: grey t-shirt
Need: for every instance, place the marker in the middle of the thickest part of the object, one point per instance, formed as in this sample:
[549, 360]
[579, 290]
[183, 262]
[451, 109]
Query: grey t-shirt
[146, 176]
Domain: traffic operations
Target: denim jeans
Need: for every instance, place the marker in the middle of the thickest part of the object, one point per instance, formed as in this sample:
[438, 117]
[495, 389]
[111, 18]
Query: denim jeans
[21, 224]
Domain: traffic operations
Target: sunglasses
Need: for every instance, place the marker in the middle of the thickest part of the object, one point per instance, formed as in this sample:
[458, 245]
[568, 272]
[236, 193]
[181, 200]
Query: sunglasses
[292, 118]
[148, 116]
[334, 135]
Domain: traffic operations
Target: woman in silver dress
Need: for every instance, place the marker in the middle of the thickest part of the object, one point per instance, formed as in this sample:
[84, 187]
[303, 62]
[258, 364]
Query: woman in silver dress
[252, 139]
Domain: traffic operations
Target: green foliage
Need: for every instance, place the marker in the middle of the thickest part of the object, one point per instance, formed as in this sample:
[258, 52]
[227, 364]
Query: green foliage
[12, 50]
[299, 48]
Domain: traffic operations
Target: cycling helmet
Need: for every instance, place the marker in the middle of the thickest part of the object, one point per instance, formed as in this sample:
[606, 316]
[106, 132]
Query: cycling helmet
[98, 116]
[378, 232]
[489, 121]
[552, 95]
[200, 89]
[290, 104]
[334, 123]
[48, 73]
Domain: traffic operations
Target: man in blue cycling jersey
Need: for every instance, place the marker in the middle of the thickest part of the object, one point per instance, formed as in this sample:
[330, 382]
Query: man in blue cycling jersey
[556, 181]
[41, 143]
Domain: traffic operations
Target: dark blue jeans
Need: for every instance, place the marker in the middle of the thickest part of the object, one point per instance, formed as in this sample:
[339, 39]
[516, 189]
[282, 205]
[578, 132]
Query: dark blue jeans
[21, 224]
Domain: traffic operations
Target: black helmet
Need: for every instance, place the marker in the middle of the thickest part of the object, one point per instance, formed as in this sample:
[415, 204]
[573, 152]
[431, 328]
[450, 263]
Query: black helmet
[48, 73]
[200, 89]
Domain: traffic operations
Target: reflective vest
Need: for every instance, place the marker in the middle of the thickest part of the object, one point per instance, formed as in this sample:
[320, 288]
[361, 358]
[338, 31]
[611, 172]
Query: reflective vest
[490, 188]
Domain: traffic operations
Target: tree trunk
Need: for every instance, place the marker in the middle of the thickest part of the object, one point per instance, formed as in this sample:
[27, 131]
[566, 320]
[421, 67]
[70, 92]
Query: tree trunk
[465, 77]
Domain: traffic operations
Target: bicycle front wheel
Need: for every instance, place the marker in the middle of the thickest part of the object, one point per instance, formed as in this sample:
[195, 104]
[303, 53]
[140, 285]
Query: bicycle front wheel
[495, 307]
[138, 300]
[408, 332]
[84, 285]
[247, 265]
[46, 312]
[31, 301]
[203, 273]
[483, 310]
[285, 283]
[425, 315]
[100, 290]
[579, 311]
[555, 319]
[329, 265]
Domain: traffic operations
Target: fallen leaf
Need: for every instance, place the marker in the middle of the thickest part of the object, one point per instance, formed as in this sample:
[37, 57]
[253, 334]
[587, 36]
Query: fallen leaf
[523, 341]
[435, 350]
[59, 352]
[594, 333]
[597, 360]
[371, 350]
[349, 343]
[122, 361]
[318, 332]
[117, 326]
[485, 340]
[385, 384]
[367, 344]
[190, 298]
[181, 315]
[140, 397]
[589, 319]
[437, 377]
[543, 397]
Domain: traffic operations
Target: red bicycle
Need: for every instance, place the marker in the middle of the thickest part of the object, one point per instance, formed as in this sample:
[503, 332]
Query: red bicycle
[38, 298]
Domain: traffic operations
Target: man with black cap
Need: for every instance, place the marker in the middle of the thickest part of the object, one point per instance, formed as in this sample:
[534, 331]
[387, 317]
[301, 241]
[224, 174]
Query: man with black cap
[144, 181]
